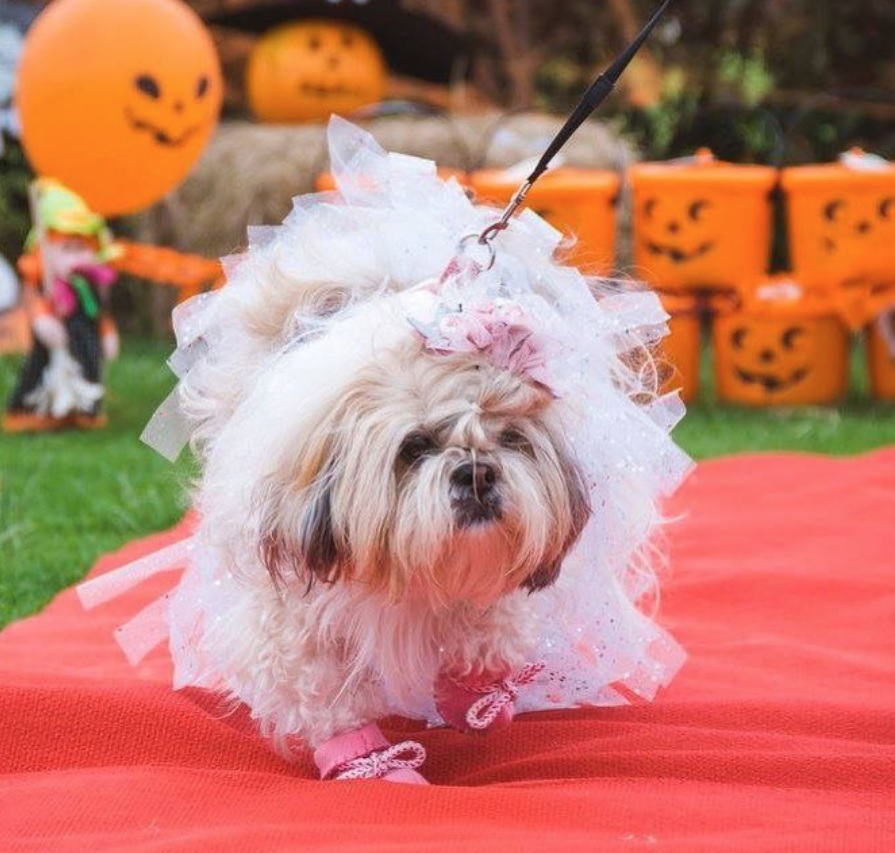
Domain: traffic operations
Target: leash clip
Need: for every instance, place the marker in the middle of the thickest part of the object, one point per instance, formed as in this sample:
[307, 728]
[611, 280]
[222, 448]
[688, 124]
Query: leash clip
[495, 228]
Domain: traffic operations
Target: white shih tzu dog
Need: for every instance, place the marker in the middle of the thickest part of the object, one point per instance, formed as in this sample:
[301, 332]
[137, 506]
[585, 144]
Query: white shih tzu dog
[429, 479]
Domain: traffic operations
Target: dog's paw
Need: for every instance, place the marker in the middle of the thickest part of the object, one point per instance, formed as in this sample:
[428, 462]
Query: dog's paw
[364, 753]
[475, 704]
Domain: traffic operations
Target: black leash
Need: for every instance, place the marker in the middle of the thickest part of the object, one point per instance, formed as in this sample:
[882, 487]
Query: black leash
[596, 93]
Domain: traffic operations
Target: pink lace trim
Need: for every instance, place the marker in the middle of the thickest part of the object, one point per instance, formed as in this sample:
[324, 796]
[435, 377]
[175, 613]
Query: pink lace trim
[497, 695]
[383, 761]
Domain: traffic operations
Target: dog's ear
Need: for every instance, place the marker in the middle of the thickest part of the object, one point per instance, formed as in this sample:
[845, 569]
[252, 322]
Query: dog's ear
[316, 552]
[579, 505]
[543, 575]
[579, 513]
[321, 555]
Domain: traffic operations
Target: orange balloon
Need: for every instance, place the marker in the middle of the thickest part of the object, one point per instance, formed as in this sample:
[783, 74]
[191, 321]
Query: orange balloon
[118, 98]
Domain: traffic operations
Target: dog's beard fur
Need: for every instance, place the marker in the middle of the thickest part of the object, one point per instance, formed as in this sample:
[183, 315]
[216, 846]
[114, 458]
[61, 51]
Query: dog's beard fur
[430, 477]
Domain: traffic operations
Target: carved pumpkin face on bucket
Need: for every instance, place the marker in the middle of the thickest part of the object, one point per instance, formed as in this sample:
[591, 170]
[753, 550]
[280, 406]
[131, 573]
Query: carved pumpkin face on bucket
[842, 223]
[775, 359]
[118, 99]
[854, 225]
[306, 71]
[780, 354]
[679, 231]
[701, 223]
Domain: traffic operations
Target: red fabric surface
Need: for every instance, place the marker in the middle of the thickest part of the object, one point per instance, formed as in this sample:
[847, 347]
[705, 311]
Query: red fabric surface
[778, 734]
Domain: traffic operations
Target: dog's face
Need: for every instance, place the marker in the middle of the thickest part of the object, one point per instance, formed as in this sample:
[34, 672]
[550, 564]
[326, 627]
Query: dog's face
[432, 476]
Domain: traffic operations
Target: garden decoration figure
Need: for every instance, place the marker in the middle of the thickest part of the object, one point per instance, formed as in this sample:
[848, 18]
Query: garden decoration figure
[67, 281]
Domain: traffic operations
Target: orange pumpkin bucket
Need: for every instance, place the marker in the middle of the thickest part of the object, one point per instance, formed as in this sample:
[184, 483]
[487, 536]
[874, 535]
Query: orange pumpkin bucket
[841, 220]
[680, 348]
[578, 202]
[881, 356]
[700, 223]
[782, 348]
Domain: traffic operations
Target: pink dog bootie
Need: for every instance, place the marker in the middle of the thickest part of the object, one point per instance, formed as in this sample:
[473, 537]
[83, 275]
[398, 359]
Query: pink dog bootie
[480, 703]
[365, 754]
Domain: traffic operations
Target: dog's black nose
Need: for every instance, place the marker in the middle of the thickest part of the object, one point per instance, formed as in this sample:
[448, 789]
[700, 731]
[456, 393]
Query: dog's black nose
[475, 495]
[476, 477]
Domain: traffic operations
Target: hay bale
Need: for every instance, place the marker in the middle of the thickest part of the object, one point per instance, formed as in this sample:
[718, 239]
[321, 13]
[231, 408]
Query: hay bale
[250, 172]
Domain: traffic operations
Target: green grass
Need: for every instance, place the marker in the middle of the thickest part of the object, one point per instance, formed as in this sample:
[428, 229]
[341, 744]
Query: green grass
[67, 498]
[859, 424]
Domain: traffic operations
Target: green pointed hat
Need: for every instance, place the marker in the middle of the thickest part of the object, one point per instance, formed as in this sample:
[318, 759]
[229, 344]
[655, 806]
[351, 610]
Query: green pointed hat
[64, 211]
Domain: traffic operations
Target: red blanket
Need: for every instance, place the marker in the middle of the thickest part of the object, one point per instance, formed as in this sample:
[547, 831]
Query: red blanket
[779, 733]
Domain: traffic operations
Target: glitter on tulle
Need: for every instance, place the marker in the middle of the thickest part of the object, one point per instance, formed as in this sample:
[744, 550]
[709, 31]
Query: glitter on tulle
[592, 340]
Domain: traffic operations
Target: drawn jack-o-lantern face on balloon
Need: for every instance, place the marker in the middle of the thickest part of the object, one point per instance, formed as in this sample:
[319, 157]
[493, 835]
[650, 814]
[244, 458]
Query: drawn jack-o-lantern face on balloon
[787, 360]
[308, 70]
[167, 118]
[118, 99]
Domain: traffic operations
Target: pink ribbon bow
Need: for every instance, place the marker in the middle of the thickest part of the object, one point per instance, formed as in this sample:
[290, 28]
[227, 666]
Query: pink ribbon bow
[378, 764]
[497, 695]
[499, 329]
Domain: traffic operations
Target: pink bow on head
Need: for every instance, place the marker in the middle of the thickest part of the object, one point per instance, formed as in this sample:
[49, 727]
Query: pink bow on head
[499, 329]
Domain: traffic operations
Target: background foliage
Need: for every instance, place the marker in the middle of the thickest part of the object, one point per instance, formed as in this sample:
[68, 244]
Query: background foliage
[773, 81]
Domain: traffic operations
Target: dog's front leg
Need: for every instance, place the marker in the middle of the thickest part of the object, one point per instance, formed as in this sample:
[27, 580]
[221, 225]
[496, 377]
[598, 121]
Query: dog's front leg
[476, 687]
[364, 753]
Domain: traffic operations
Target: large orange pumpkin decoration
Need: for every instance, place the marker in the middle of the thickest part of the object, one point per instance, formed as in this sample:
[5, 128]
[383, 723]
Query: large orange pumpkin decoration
[841, 219]
[117, 98]
[578, 202]
[308, 70]
[786, 349]
[701, 223]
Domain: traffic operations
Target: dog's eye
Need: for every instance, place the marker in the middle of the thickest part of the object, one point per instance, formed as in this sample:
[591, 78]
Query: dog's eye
[415, 446]
[514, 439]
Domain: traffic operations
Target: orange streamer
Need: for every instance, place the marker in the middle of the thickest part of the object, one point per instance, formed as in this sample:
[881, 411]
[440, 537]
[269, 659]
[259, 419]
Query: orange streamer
[190, 274]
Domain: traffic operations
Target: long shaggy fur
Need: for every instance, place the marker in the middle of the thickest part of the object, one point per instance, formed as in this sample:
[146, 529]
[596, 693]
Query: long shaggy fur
[357, 567]
[374, 513]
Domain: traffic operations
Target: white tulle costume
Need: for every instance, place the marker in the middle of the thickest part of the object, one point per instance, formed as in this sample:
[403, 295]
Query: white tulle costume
[399, 226]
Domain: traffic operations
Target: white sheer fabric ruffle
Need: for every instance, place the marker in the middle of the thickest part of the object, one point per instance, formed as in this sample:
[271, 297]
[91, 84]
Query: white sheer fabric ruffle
[394, 216]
